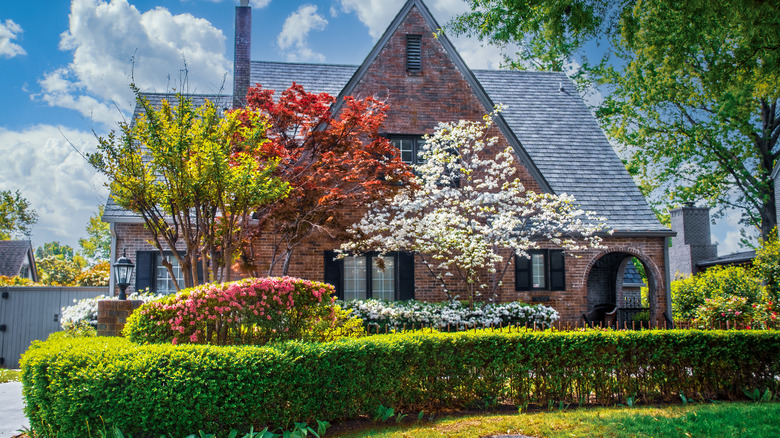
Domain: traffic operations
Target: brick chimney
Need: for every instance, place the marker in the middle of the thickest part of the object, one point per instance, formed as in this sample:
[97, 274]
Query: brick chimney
[242, 54]
[692, 244]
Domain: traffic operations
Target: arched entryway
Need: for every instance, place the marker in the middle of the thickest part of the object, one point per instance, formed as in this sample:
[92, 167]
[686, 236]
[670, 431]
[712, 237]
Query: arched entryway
[624, 281]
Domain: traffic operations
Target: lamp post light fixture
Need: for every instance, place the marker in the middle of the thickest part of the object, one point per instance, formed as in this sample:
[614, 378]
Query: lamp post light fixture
[123, 269]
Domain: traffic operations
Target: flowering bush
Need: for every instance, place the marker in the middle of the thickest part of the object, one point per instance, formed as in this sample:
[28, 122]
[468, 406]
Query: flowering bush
[249, 311]
[16, 281]
[97, 275]
[689, 294]
[719, 311]
[84, 312]
[451, 315]
[765, 315]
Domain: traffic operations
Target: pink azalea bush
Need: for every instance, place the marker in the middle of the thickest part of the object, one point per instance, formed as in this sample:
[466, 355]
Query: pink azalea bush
[250, 311]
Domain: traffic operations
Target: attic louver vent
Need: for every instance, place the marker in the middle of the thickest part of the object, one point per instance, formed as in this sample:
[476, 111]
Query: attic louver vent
[414, 53]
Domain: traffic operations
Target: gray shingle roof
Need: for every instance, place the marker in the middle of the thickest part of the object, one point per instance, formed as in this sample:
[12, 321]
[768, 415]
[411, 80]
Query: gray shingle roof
[555, 128]
[315, 78]
[565, 142]
[13, 254]
[737, 258]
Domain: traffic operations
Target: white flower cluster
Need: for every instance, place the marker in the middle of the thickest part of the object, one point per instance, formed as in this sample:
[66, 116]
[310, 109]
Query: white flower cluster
[85, 311]
[452, 315]
[470, 212]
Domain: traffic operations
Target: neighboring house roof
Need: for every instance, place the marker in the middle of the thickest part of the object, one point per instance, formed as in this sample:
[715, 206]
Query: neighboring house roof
[631, 277]
[552, 130]
[13, 254]
[737, 258]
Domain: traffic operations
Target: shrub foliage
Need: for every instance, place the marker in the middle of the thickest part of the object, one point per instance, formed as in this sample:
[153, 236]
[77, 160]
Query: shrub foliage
[250, 311]
[148, 390]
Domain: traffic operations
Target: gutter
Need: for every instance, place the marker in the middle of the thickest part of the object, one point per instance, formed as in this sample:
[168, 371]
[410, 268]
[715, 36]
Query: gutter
[112, 274]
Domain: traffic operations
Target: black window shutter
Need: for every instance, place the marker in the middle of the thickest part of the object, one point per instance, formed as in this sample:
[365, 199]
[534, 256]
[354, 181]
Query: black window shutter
[522, 273]
[144, 270]
[557, 270]
[333, 272]
[405, 276]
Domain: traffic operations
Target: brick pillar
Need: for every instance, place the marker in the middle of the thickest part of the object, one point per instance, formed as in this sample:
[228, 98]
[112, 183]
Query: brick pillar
[242, 54]
[112, 315]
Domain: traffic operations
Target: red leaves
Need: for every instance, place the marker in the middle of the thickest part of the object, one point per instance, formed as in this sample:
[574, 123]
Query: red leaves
[333, 164]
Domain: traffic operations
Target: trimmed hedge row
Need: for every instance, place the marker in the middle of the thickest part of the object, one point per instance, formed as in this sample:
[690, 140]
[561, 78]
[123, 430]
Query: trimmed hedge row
[154, 389]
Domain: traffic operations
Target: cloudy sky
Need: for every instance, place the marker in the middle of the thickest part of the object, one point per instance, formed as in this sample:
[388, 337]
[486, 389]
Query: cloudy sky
[65, 67]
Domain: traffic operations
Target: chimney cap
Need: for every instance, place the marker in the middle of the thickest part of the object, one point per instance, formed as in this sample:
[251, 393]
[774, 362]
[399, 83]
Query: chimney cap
[244, 2]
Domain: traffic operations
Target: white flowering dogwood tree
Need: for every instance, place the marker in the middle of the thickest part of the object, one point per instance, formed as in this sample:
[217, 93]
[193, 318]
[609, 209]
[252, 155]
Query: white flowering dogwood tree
[468, 215]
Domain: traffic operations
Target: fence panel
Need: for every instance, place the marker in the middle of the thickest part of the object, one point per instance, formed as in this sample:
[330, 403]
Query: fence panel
[33, 313]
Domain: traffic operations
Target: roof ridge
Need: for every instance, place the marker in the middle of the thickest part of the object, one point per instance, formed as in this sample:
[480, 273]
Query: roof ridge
[307, 63]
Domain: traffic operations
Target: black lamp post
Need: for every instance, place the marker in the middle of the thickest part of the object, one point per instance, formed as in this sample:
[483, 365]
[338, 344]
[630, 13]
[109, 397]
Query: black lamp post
[123, 268]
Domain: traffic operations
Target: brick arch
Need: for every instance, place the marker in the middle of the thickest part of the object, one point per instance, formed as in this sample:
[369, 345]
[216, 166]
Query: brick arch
[654, 274]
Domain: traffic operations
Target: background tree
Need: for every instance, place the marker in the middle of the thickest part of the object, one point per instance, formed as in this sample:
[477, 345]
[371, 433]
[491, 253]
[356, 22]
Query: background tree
[194, 176]
[333, 165]
[471, 214]
[97, 246]
[16, 216]
[691, 91]
[58, 264]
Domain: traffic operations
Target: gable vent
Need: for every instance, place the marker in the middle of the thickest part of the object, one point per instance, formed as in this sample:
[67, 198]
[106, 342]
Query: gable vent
[414, 53]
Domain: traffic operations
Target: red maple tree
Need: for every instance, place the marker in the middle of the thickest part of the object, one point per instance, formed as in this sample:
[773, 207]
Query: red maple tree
[335, 167]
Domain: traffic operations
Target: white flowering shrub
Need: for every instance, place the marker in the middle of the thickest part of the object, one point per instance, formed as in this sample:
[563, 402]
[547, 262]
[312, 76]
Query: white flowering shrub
[452, 315]
[83, 312]
[470, 212]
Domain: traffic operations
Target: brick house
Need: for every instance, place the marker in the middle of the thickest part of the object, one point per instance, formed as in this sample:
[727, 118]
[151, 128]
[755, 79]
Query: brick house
[558, 143]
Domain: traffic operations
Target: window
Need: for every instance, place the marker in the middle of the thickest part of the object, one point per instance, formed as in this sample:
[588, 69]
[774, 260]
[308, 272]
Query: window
[414, 53]
[150, 273]
[163, 283]
[410, 147]
[544, 270]
[367, 276]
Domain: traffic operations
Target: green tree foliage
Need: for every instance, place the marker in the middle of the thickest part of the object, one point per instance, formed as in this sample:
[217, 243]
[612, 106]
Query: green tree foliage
[58, 264]
[96, 275]
[194, 175]
[692, 89]
[97, 246]
[767, 265]
[16, 216]
[688, 294]
[57, 271]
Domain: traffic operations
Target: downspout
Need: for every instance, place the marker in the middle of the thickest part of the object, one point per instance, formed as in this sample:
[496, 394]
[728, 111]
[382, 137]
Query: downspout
[668, 276]
[111, 281]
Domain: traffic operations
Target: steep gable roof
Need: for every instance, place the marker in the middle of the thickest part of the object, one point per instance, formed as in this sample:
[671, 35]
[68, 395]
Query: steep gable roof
[13, 254]
[476, 87]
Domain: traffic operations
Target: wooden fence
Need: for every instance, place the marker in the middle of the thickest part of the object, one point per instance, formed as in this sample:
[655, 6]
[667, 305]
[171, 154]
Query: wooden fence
[33, 313]
[567, 326]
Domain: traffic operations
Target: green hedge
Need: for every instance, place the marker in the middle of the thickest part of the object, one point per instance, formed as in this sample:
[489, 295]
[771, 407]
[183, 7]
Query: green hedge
[153, 389]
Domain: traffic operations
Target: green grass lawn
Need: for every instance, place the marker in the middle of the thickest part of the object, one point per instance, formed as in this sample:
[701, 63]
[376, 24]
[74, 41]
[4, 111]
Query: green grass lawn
[694, 420]
[10, 375]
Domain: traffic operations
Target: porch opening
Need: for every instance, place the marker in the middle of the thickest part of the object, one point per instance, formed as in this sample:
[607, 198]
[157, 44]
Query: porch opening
[621, 291]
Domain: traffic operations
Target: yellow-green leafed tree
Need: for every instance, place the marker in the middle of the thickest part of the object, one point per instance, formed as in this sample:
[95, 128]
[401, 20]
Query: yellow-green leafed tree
[195, 175]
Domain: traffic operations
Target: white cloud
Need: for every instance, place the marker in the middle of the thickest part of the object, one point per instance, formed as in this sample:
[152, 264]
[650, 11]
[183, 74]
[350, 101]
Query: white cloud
[10, 31]
[295, 32]
[113, 43]
[60, 185]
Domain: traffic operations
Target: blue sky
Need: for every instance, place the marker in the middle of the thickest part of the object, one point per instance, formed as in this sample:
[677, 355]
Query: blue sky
[66, 66]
